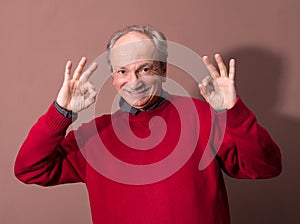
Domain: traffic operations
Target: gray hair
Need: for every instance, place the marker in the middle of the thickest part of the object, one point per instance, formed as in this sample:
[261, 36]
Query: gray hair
[157, 37]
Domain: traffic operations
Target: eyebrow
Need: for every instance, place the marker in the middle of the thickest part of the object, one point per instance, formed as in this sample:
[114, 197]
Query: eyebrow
[139, 67]
[145, 64]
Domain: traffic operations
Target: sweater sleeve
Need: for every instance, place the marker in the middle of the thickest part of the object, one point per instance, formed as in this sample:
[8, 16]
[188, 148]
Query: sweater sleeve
[47, 157]
[248, 151]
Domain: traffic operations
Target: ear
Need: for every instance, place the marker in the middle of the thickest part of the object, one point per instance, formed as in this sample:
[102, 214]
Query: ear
[164, 77]
[164, 73]
[113, 79]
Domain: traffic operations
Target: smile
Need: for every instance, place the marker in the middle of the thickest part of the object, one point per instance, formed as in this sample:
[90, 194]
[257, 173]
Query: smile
[137, 92]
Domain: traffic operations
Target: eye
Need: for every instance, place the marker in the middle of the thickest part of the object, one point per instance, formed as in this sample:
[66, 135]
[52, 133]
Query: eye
[145, 70]
[121, 71]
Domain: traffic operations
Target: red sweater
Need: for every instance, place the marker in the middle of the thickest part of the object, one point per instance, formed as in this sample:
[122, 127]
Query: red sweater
[157, 185]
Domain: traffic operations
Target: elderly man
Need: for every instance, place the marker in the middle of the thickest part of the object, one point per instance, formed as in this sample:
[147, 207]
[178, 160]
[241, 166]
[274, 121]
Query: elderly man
[137, 56]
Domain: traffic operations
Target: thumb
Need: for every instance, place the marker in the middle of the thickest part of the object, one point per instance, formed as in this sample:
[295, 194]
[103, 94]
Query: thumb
[203, 91]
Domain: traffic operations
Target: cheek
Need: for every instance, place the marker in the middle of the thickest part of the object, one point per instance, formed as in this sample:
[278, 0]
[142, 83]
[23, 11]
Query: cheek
[117, 83]
[153, 81]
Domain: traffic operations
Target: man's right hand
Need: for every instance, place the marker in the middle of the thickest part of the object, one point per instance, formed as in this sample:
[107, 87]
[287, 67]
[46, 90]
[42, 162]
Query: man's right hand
[77, 93]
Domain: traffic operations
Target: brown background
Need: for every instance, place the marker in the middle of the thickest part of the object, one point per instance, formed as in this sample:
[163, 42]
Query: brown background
[38, 36]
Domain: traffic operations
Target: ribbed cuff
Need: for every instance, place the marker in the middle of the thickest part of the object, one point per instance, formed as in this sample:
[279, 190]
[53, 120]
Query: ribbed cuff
[56, 122]
[238, 114]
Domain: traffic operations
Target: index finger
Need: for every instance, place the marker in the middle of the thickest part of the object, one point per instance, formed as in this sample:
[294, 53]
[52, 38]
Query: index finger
[87, 74]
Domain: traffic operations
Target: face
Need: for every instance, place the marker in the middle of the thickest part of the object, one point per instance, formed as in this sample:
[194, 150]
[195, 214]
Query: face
[137, 74]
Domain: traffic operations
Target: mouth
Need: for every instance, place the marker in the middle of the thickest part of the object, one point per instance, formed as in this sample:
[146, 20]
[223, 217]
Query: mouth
[138, 92]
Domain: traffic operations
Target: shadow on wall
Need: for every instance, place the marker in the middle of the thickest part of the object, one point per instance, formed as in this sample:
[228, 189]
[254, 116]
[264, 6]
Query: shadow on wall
[259, 72]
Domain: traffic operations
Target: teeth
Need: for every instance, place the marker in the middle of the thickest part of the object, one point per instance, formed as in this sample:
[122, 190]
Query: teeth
[137, 91]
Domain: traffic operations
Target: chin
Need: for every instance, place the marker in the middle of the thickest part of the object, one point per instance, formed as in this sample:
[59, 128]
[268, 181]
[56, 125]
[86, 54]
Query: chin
[143, 103]
[140, 104]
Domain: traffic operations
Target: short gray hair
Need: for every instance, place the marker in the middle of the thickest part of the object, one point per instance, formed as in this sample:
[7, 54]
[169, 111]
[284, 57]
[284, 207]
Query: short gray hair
[158, 38]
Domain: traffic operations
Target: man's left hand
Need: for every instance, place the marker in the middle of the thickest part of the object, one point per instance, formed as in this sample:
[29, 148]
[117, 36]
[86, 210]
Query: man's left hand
[218, 89]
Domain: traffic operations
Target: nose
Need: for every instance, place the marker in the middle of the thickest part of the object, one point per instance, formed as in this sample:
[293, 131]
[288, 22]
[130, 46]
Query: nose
[133, 76]
[134, 80]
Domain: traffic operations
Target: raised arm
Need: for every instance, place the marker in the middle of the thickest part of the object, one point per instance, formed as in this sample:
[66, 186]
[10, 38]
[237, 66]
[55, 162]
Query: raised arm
[247, 149]
[47, 157]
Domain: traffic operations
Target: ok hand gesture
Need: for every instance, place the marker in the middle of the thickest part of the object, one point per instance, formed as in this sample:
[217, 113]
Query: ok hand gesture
[218, 89]
[77, 93]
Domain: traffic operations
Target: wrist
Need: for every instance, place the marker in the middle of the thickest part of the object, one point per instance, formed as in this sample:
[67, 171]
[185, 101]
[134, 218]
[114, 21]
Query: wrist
[65, 112]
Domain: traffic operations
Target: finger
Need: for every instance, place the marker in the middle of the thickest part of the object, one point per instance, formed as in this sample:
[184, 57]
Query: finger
[211, 68]
[79, 68]
[68, 67]
[203, 91]
[207, 80]
[87, 74]
[87, 87]
[232, 69]
[91, 98]
[208, 85]
[221, 65]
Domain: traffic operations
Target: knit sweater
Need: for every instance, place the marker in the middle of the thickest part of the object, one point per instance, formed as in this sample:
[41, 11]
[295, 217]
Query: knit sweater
[145, 168]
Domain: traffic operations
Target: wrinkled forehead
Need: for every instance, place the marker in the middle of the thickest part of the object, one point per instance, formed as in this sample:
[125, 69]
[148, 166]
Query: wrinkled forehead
[128, 53]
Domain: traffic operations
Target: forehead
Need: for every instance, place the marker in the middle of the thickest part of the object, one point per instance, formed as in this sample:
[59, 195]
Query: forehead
[132, 47]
